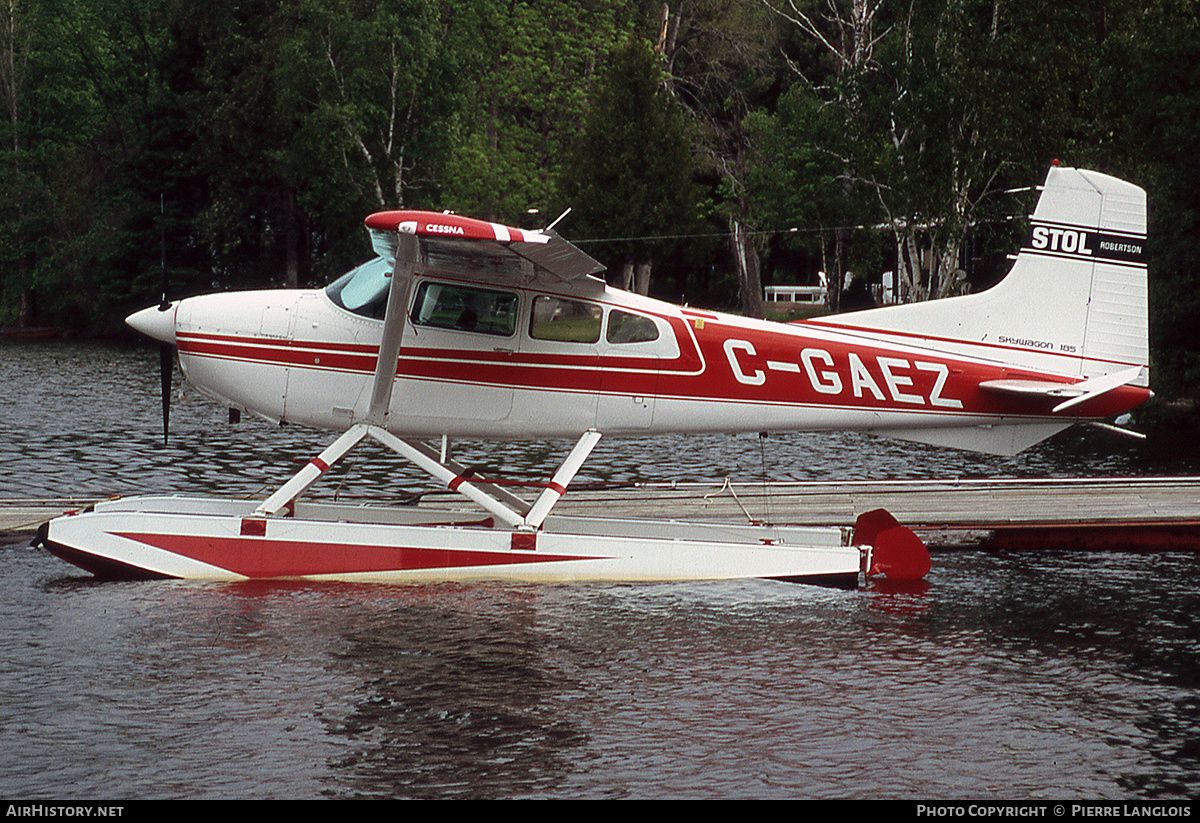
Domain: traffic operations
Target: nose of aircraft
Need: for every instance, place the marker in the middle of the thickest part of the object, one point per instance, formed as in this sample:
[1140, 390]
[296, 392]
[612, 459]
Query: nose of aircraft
[155, 322]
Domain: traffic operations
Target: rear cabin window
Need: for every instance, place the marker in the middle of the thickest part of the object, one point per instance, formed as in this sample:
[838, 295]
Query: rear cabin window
[624, 327]
[565, 321]
[465, 308]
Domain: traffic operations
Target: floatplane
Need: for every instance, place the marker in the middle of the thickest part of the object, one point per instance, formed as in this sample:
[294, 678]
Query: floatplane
[461, 328]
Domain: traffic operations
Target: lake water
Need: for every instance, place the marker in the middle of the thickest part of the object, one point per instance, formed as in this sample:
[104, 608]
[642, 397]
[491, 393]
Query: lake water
[1006, 676]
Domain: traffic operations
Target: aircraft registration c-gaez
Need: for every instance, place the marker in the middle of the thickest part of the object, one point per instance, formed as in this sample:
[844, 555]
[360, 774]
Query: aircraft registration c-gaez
[461, 328]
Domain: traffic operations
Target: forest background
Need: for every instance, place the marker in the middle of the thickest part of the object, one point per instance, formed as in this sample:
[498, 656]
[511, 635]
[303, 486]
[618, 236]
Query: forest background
[705, 147]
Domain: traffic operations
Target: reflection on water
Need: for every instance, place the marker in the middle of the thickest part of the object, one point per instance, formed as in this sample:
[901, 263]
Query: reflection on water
[460, 697]
[1005, 676]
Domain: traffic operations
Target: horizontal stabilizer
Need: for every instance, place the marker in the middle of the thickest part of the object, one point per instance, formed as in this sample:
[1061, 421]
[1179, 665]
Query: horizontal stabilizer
[1096, 386]
[1031, 388]
[1074, 393]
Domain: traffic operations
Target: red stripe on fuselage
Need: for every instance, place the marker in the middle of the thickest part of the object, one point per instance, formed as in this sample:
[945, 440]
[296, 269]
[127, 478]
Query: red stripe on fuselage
[762, 365]
[719, 362]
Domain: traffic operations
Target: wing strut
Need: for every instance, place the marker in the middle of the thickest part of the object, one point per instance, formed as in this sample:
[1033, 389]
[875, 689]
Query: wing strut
[565, 474]
[407, 258]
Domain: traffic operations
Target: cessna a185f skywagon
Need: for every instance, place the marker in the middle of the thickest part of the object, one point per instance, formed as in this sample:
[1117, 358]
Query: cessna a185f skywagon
[461, 328]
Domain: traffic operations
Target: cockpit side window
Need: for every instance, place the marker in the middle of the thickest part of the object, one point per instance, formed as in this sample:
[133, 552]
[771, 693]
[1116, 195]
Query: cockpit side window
[465, 308]
[625, 327]
[363, 290]
[565, 321]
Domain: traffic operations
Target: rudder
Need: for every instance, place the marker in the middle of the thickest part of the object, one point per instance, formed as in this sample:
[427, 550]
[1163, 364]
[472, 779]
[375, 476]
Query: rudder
[1074, 303]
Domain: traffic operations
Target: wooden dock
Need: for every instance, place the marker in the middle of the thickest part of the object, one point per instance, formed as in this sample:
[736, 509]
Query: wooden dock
[1119, 513]
[1132, 513]
[25, 514]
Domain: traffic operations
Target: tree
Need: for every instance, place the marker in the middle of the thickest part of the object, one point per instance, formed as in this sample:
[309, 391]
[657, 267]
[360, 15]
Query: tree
[16, 34]
[846, 35]
[794, 180]
[720, 61]
[630, 174]
[89, 106]
[372, 87]
[351, 105]
[531, 68]
[972, 114]
[943, 105]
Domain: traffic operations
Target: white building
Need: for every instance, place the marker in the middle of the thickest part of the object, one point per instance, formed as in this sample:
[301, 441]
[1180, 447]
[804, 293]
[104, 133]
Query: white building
[811, 295]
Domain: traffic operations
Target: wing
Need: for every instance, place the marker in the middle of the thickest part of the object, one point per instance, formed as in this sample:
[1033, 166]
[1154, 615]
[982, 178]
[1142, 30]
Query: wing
[489, 251]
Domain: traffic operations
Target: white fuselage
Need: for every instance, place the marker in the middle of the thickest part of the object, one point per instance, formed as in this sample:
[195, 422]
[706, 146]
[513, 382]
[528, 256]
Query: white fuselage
[584, 357]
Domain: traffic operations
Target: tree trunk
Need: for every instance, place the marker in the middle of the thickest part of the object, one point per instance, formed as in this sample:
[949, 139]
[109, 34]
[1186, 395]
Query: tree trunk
[627, 275]
[291, 241]
[837, 273]
[642, 277]
[749, 279]
[908, 264]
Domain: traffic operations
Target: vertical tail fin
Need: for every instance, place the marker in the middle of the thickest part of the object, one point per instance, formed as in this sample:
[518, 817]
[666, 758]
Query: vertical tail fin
[1074, 303]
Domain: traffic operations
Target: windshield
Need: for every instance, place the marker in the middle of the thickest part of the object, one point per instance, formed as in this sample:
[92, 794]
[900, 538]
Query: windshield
[363, 290]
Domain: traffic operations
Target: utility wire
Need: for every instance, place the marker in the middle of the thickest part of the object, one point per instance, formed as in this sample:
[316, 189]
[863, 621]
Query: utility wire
[758, 232]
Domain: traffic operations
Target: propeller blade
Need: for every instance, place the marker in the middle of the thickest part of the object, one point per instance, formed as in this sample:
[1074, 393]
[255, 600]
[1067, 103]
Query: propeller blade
[166, 362]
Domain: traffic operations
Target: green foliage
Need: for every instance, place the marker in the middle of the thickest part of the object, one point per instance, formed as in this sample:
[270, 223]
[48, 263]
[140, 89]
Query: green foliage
[367, 97]
[794, 181]
[89, 157]
[630, 174]
[532, 67]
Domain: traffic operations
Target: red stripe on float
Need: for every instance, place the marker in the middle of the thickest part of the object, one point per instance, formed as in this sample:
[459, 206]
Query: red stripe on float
[257, 557]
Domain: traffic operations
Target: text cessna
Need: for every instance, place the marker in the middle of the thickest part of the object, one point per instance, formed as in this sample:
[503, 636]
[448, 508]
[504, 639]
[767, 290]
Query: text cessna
[896, 374]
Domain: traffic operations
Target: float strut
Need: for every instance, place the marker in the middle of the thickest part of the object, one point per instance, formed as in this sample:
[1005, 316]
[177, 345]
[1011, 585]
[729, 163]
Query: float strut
[565, 474]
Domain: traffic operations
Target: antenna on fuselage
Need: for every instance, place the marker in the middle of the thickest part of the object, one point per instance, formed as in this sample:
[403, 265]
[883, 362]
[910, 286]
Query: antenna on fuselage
[558, 220]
